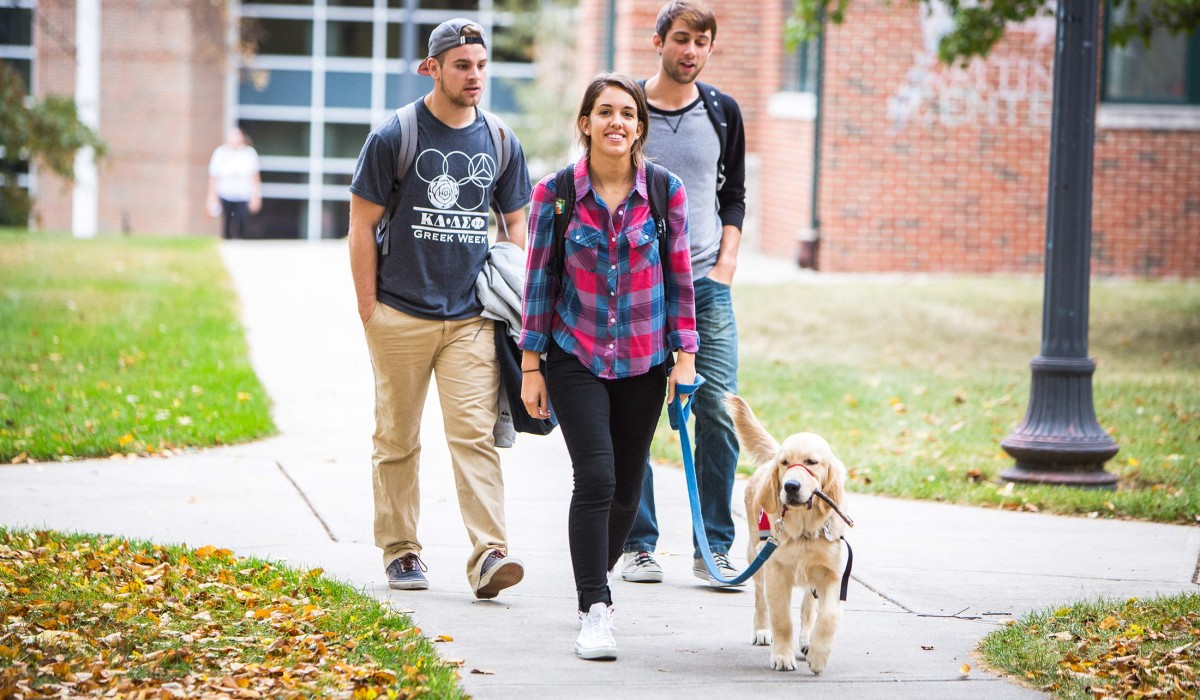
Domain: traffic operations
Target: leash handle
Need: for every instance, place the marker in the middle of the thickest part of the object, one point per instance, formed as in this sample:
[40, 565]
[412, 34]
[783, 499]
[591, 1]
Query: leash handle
[678, 412]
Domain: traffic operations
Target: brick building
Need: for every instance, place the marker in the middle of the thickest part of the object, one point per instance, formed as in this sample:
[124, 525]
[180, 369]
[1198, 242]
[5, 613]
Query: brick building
[896, 162]
[160, 107]
[921, 167]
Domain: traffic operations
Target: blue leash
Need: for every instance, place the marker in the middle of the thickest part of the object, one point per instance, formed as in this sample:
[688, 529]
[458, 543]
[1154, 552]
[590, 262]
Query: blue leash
[678, 412]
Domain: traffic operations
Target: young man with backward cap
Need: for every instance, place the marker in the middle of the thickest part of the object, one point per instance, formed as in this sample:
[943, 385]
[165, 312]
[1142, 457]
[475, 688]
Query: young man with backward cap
[696, 132]
[418, 240]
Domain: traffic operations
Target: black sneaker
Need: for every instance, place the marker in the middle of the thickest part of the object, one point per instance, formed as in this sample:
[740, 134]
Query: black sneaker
[497, 573]
[405, 573]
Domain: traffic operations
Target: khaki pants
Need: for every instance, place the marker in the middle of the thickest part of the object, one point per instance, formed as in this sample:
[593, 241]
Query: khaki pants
[405, 350]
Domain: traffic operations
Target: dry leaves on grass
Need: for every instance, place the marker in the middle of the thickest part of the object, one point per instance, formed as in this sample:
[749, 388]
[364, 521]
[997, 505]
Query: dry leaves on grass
[108, 618]
[1116, 658]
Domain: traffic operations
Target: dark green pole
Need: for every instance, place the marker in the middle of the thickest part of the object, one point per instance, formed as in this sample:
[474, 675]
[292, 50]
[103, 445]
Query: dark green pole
[610, 34]
[1060, 441]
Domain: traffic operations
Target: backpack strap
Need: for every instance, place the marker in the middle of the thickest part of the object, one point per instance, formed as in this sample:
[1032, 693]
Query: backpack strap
[658, 189]
[716, 115]
[408, 141]
[499, 132]
[503, 145]
[564, 208]
[407, 116]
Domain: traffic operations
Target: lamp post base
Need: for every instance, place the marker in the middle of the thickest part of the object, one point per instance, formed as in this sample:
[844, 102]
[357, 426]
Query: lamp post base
[1060, 441]
[1091, 476]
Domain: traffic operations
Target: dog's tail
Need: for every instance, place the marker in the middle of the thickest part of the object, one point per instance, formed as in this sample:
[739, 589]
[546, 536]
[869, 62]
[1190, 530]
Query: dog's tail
[756, 441]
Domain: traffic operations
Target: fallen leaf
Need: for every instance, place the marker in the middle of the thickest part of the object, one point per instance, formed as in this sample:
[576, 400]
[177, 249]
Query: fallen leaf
[483, 672]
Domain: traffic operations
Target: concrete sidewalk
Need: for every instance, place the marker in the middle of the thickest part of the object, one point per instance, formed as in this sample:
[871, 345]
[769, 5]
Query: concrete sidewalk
[926, 575]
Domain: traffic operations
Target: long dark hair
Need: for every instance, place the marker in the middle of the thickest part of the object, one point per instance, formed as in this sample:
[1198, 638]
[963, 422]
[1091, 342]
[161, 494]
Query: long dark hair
[590, 96]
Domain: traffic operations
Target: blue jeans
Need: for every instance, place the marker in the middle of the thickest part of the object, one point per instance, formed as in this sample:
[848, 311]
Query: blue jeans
[716, 443]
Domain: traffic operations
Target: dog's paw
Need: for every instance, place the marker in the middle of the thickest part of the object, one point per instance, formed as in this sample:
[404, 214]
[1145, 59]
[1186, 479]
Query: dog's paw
[804, 651]
[762, 638]
[783, 662]
[816, 660]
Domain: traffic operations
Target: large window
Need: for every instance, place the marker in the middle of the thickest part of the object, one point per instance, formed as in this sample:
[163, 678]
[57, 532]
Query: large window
[800, 67]
[1167, 71]
[16, 53]
[324, 73]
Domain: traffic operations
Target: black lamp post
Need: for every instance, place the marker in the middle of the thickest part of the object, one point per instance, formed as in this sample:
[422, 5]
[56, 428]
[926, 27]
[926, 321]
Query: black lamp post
[1060, 441]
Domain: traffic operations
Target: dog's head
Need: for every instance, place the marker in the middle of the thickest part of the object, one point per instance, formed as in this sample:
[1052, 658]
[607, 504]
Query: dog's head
[798, 467]
[804, 464]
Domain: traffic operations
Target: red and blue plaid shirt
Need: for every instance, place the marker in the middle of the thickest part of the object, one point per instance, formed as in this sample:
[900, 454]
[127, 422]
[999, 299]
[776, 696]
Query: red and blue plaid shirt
[613, 309]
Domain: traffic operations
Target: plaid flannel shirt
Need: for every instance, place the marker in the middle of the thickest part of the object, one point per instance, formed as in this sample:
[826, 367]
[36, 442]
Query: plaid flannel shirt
[612, 308]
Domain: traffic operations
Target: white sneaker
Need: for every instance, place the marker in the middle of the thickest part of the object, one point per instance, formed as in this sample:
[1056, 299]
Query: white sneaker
[724, 567]
[596, 634]
[640, 567]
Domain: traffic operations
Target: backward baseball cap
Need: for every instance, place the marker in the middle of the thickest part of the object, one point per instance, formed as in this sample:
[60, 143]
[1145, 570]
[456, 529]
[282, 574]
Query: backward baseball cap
[449, 35]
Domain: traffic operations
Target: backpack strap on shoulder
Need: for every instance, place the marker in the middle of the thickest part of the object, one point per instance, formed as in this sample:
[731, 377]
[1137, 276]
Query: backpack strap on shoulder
[716, 115]
[564, 208]
[408, 140]
[407, 116]
[658, 189]
[500, 140]
[499, 132]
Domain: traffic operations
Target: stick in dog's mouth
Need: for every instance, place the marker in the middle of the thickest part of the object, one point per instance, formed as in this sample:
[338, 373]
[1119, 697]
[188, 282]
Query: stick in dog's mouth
[832, 505]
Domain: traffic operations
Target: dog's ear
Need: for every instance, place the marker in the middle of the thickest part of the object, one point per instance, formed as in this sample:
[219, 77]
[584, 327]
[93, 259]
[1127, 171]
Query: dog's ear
[754, 438]
[834, 484]
[767, 498]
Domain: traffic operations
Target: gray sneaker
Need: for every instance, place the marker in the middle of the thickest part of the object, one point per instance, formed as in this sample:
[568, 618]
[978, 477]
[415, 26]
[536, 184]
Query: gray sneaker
[405, 573]
[640, 567]
[497, 573]
[724, 567]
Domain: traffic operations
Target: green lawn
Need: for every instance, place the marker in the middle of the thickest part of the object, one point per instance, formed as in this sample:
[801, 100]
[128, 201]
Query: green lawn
[120, 345]
[916, 380]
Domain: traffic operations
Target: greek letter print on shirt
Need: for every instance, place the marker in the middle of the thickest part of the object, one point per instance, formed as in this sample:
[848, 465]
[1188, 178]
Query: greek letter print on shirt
[457, 186]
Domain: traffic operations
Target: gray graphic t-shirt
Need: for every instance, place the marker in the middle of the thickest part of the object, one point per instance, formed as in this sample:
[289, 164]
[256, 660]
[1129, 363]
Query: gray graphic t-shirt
[438, 234]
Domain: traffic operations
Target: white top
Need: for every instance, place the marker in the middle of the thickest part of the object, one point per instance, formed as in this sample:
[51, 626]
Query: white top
[234, 169]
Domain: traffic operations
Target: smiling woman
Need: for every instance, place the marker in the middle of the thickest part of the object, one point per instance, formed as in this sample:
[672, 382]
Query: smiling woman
[120, 346]
[604, 261]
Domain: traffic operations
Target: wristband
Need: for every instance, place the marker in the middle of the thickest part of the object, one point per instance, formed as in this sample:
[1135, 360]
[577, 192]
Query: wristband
[529, 370]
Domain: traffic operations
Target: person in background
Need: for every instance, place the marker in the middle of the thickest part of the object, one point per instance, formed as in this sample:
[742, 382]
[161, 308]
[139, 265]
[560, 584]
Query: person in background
[697, 134]
[234, 184]
[609, 312]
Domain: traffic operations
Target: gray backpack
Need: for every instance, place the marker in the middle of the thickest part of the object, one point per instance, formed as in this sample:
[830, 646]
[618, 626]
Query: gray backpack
[408, 153]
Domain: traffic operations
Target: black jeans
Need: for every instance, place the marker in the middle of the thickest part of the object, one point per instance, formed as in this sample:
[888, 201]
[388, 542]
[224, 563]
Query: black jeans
[235, 215]
[608, 425]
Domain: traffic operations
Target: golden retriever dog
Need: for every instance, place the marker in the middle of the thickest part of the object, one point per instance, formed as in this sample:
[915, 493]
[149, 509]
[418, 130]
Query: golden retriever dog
[809, 553]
